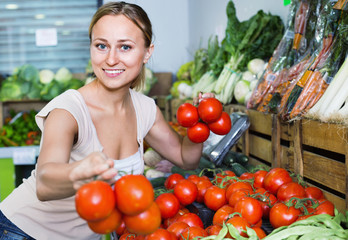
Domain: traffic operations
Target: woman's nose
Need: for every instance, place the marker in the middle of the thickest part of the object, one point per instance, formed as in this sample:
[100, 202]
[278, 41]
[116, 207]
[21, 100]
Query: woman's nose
[112, 57]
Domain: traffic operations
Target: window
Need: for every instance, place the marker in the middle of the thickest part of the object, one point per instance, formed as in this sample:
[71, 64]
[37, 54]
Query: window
[48, 34]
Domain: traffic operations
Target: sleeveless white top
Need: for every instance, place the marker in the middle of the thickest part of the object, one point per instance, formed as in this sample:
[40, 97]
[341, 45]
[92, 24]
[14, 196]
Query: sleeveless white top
[57, 219]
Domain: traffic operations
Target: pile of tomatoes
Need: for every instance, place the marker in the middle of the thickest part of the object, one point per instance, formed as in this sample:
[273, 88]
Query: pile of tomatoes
[243, 202]
[130, 204]
[199, 121]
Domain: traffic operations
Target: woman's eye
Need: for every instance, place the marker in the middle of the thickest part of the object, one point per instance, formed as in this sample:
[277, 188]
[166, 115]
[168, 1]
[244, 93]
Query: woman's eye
[125, 47]
[101, 46]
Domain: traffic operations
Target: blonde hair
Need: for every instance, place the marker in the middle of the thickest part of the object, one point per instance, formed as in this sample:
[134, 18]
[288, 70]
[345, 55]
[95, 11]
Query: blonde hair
[138, 16]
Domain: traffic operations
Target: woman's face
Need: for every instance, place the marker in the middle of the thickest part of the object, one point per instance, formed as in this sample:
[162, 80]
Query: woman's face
[118, 51]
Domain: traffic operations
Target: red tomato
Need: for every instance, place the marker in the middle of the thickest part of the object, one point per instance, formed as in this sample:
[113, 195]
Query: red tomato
[191, 219]
[275, 178]
[186, 192]
[121, 229]
[314, 193]
[240, 223]
[246, 175]
[202, 187]
[221, 215]
[177, 228]
[194, 178]
[259, 176]
[145, 222]
[193, 233]
[95, 201]
[187, 115]
[259, 232]
[250, 209]
[289, 190]
[237, 185]
[198, 133]
[215, 197]
[159, 234]
[172, 180]
[134, 194]
[237, 195]
[282, 215]
[168, 204]
[210, 110]
[267, 200]
[222, 126]
[325, 206]
[127, 236]
[108, 224]
[213, 229]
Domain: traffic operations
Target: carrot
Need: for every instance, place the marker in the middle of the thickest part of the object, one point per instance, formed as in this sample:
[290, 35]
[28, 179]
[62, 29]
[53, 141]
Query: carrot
[300, 24]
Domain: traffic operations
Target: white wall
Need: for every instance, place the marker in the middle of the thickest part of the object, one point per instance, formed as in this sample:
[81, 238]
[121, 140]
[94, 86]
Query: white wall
[182, 26]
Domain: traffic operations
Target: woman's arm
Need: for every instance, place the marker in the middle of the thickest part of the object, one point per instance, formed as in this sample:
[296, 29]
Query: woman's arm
[56, 178]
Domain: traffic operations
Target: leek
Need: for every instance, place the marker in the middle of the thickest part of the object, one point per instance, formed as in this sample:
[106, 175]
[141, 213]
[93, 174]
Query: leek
[206, 80]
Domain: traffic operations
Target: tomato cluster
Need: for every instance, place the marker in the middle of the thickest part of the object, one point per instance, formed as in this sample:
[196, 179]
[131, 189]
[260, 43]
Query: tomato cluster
[130, 204]
[199, 121]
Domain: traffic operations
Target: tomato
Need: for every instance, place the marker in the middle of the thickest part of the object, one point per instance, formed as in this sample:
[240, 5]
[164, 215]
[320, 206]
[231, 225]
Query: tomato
[266, 199]
[186, 192]
[219, 177]
[94, 201]
[289, 190]
[191, 219]
[246, 175]
[168, 221]
[240, 224]
[237, 185]
[259, 232]
[222, 126]
[210, 110]
[213, 229]
[172, 180]
[145, 222]
[250, 209]
[108, 224]
[275, 178]
[159, 234]
[237, 195]
[187, 115]
[282, 215]
[198, 133]
[314, 193]
[168, 204]
[127, 236]
[134, 194]
[325, 206]
[259, 176]
[221, 215]
[202, 187]
[194, 178]
[215, 197]
[121, 229]
[193, 233]
[177, 228]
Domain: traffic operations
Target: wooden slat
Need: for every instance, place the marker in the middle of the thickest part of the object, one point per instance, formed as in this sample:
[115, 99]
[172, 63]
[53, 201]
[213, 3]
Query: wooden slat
[298, 158]
[260, 147]
[260, 122]
[276, 160]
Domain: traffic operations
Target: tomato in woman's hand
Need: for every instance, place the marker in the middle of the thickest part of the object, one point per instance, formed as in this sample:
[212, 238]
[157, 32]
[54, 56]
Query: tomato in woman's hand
[210, 110]
[187, 115]
[194, 232]
[314, 193]
[186, 192]
[145, 222]
[172, 180]
[275, 178]
[282, 215]
[250, 209]
[289, 190]
[215, 197]
[95, 201]
[134, 194]
[222, 126]
[168, 204]
[198, 133]
[108, 224]
[191, 219]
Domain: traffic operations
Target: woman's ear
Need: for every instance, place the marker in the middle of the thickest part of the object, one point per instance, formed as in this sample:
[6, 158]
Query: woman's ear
[148, 53]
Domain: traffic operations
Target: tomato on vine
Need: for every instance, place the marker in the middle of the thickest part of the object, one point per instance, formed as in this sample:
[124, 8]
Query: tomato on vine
[221, 126]
[187, 115]
[210, 110]
[185, 191]
[250, 209]
[168, 204]
[108, 224]
[198, 133]
[215, 197]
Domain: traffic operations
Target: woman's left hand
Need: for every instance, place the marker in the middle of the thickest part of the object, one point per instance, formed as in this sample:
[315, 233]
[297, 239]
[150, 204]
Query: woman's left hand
[202, 96]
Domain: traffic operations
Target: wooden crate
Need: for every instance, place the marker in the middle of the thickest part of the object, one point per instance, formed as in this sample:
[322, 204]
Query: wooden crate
[316, 151]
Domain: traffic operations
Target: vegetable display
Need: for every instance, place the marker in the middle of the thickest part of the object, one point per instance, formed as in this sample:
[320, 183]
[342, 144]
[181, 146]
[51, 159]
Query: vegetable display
[199, 121]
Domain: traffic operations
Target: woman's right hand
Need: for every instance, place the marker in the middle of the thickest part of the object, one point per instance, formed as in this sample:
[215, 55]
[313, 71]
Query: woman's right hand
[96, 166]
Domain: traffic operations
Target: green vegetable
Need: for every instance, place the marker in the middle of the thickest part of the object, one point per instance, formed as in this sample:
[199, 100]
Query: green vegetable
[63, 74]
[241, 90]
[176, 169]
[184, 72]
[238, 169]
[51, 90]
[205, 163]
[256, 65]
[158, 182]
[174, 89]
[206, 80]
[46, 76]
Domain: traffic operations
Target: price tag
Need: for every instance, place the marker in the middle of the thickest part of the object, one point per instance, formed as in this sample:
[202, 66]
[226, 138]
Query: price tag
[25, 156]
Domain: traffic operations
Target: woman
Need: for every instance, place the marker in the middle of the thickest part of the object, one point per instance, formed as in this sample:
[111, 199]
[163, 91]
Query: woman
[85, 130]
